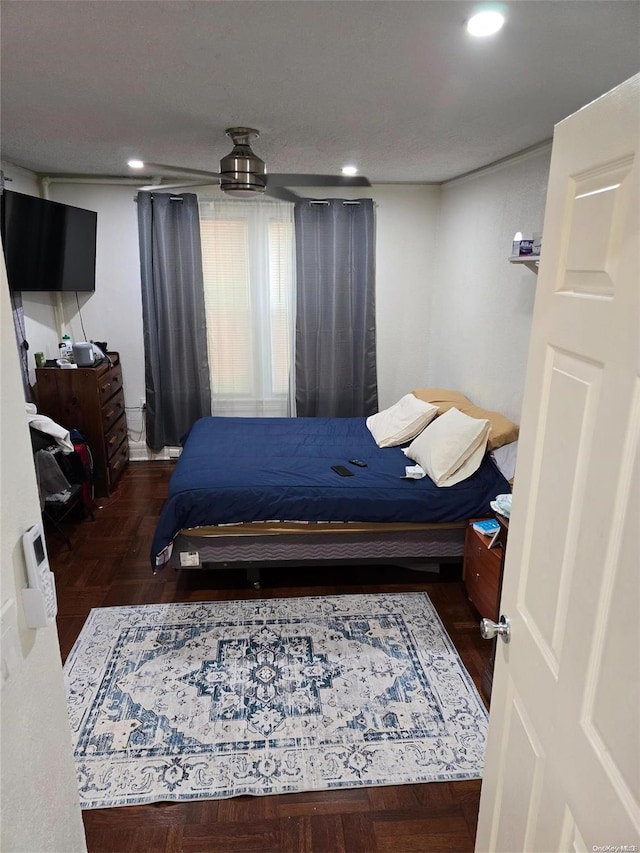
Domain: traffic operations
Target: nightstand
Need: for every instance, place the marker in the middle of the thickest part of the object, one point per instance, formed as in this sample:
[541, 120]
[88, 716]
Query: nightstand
[482, 570]
[482, 576]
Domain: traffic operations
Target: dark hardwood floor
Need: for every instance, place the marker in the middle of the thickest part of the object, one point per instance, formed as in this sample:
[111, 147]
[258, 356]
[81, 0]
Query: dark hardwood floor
[108, 565]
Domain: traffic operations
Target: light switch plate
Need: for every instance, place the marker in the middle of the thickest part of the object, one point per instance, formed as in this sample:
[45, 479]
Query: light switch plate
[9, 647]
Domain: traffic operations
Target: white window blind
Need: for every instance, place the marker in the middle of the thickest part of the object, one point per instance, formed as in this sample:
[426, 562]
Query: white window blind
[248, 266]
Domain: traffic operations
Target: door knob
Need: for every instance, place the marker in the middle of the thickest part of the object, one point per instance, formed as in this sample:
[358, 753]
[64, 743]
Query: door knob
[489, 629]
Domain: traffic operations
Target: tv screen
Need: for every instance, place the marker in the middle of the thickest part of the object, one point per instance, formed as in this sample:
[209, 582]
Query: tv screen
[47, 245]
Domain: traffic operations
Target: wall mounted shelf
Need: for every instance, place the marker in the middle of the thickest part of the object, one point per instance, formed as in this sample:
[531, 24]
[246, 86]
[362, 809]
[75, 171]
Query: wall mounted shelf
[530, 261]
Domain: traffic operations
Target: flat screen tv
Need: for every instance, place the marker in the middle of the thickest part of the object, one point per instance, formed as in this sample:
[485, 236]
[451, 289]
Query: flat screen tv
[48, 246]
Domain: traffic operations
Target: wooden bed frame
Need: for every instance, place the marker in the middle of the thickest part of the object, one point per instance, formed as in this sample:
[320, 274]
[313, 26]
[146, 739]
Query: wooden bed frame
[261, 544]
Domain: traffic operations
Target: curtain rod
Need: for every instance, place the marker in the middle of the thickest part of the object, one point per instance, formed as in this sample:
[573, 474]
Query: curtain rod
[311, 201]
[171, 198]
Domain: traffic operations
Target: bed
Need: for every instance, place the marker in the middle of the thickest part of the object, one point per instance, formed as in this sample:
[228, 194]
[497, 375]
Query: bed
[256, 491]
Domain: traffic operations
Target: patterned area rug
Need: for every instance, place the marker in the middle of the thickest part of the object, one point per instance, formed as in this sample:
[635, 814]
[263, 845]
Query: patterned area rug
[216, 699]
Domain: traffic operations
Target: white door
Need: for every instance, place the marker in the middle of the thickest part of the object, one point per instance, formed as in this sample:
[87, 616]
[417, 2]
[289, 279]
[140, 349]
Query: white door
[563, 759]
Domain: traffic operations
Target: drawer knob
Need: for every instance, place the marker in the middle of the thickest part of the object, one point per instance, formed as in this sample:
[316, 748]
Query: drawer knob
[477, 576]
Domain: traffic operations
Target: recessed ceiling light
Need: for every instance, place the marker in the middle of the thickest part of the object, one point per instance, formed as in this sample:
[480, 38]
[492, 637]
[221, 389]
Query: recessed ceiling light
[485, 23]
[349, 170]
[135, 164]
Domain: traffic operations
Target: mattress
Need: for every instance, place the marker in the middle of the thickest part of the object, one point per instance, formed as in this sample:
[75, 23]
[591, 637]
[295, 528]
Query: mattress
[238, 470]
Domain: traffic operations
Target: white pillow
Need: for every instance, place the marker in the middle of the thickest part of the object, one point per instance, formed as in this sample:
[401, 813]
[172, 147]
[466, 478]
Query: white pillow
[401, 422]
[451, 448]
[505, 458]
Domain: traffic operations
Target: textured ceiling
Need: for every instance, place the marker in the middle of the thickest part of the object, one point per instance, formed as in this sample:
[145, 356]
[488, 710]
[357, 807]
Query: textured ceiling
[398, 87]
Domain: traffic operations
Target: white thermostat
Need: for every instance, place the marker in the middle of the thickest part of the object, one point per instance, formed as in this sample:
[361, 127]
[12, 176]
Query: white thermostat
[39, 598]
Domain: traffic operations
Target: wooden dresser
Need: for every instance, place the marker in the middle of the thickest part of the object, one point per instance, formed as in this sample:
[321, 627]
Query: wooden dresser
[91, 400]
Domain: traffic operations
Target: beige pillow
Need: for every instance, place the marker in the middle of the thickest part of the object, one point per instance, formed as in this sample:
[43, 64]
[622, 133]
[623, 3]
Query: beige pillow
[503, 431]
[443, 398]
[401, 422]
[451, 448]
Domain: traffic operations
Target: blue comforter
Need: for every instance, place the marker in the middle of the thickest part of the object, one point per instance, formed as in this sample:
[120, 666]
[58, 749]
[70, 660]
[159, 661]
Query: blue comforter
[267, 469]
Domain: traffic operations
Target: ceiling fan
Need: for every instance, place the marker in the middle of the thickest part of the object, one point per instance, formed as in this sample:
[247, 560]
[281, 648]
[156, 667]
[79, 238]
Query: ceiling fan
[244, 175]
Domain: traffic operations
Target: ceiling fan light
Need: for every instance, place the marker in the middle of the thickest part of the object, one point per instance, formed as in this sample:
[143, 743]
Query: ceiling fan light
[241, 185]
[241, 192]
[242, 173]
[350, 170]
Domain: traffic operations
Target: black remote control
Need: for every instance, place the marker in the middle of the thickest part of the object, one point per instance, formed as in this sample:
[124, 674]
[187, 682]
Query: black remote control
[358, 462]
[340, 469]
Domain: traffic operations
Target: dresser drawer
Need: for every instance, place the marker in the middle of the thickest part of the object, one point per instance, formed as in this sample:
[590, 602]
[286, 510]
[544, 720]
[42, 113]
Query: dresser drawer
[118, 462]
[113, 439]
[113, 409]
[481, 575]
[109, 383]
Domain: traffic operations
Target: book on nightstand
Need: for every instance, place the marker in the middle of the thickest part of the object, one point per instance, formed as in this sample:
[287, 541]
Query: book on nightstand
[487, 526]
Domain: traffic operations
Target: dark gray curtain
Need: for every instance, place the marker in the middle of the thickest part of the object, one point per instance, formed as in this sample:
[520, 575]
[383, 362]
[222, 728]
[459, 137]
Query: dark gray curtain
[175, 340]
[335, 316]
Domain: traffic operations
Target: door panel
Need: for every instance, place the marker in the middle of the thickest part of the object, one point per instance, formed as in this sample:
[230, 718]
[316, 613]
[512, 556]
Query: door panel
[568, 423]
[610, 714]
[519, 814]
[562, 769]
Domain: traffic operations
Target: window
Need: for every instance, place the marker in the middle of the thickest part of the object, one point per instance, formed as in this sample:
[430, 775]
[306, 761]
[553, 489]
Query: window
[248, 266]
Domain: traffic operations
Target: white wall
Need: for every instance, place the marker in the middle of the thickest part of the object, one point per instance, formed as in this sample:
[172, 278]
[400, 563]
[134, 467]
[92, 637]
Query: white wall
[40, 804]
[405, 265]
[481, 306]
[450, 310]
[113, 313]
[405, 275]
